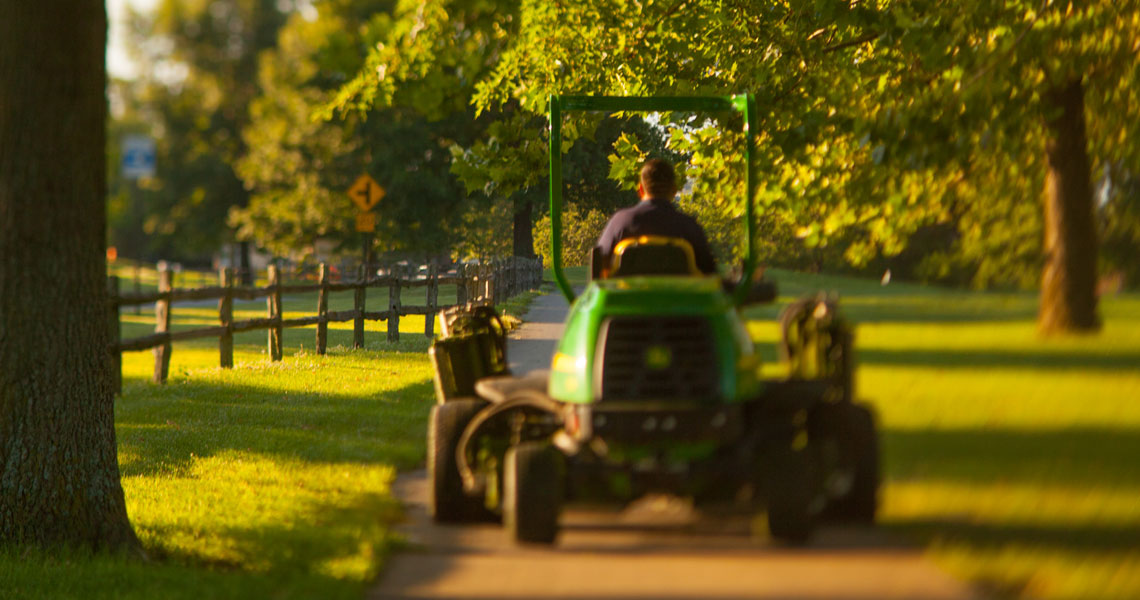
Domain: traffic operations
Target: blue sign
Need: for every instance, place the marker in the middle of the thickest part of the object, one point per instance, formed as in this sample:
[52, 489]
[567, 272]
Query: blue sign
[138, 156]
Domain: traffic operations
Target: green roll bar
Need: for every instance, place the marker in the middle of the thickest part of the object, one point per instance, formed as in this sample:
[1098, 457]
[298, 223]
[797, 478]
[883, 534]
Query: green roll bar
[742, 103]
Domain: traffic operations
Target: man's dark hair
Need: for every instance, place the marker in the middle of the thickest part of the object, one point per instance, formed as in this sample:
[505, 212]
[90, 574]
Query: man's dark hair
[658, 179]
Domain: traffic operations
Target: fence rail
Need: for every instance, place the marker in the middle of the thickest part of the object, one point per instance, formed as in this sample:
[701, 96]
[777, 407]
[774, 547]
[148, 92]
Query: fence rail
[475, 284]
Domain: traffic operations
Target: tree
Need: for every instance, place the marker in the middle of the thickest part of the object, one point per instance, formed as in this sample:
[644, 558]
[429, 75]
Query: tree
[197, 76]
[428, 58]
[298, 168]
[59, 477]
[871, 117]
[1012, 82]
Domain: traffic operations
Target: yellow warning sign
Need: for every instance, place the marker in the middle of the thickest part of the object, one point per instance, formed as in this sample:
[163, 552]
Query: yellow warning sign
[365, 192]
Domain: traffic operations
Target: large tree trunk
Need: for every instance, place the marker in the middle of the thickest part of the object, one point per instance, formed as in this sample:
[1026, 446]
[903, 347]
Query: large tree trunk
[523, 230]
[1068, 285]
[59, 474]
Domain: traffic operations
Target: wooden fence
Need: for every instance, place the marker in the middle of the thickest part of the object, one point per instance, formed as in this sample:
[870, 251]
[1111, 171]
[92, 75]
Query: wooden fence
[475, 284]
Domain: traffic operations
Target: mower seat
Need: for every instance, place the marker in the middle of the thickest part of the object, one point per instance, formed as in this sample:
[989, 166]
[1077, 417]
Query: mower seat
[498, 388]
[653, 255]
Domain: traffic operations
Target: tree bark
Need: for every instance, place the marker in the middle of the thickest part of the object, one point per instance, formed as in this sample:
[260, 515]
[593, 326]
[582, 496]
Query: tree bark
[59, 473]
[1068, 284]
[523, 243]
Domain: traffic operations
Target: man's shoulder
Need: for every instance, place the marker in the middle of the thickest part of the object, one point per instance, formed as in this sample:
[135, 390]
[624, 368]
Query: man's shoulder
[626, 214]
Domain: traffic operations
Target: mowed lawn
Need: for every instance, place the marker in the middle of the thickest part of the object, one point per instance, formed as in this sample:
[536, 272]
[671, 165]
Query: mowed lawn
[270, 480]
[1014, 460]
[1010, 459]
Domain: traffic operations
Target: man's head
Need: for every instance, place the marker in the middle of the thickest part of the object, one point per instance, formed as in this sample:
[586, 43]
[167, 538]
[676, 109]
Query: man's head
[657, 180]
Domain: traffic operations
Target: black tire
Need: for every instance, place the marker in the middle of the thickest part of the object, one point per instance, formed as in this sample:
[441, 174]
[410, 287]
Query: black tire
[534, 487]
[789, 485]
[447, 503]
[861, 501]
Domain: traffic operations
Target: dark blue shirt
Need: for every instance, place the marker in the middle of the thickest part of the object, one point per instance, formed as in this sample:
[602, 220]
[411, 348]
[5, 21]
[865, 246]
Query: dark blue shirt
[657, 217]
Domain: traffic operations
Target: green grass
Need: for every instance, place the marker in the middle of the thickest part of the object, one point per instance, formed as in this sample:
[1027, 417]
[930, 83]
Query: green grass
[1010, 458]
[270, 480]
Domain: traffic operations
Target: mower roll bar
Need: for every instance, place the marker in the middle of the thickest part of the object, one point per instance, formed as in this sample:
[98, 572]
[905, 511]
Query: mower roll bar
[742, 103]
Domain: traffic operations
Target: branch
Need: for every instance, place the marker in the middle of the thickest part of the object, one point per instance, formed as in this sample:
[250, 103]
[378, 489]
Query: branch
[870, 37]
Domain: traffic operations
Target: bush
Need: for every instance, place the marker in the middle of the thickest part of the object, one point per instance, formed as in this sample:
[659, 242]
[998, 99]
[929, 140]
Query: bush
[580, 231]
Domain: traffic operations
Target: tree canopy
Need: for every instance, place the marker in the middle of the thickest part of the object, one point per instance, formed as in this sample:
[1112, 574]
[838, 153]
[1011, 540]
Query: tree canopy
[197, 65]
[877, 121]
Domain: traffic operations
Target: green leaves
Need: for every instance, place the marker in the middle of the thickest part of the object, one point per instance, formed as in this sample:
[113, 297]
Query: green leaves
[876, 122]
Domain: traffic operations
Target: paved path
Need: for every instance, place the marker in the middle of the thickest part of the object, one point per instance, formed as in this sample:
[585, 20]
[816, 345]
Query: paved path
[656, 549]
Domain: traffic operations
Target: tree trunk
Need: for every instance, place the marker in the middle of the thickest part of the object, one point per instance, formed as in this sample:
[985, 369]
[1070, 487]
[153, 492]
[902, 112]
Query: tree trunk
[59, 473]
[246, 268]
[1068, 285]
[523, 232]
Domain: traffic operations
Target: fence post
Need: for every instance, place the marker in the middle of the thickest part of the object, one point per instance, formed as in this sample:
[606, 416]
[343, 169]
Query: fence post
[138, 288]
[461, 287]
[226, 316]
[273, 303]
[162, 325]
[475, 294]
[472, 281]
[358, 299]
[115, 336]
[394, 304]
[481, 284]
[323, 310]
[488, 282]
[499, 292]
[516, 275]
[493, 280]
[432, 299]
[513, 275]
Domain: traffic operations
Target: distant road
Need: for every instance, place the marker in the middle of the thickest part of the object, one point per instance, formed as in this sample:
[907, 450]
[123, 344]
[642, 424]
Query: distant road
[656, 549]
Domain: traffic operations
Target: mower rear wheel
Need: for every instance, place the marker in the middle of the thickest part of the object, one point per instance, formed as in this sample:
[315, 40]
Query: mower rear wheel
[861, 501]
[534, 487]
[447, 502]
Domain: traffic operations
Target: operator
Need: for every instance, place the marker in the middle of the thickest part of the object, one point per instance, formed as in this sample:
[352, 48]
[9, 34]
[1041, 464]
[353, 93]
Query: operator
[655, 214]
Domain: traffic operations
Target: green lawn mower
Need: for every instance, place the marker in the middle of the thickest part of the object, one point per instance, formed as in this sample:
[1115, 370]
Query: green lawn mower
[655, 387]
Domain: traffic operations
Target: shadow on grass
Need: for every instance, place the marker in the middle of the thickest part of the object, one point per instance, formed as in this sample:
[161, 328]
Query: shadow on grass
[182, 422]
[1066, 457]
[296, 560]
[1072, 537]
[1049, 359]
[950, 308]
[1029, 474]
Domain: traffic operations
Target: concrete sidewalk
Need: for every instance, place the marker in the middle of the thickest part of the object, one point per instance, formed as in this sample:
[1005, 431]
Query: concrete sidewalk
[531, 346]
[657, 548]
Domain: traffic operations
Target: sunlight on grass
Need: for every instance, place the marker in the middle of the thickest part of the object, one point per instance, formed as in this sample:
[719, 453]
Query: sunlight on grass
[269, 480]
[1011, 458]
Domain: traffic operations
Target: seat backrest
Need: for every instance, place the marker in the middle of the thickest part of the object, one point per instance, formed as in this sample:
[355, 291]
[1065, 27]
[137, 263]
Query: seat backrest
[653, 255]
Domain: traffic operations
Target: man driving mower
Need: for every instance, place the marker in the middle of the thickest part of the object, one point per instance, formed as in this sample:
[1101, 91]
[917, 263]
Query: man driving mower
[655, 215]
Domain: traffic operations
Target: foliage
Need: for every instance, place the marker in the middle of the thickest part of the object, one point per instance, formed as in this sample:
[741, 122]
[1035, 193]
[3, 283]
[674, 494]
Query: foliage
[875, 122]
[300, 167]
[197, 65]
[581, 228]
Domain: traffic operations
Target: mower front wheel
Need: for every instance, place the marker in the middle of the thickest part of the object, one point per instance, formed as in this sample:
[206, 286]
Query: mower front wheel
[534, 487]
